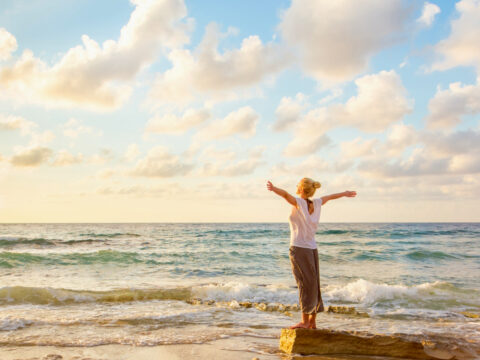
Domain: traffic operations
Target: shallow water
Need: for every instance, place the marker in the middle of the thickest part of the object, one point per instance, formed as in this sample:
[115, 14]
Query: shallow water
[93, 284]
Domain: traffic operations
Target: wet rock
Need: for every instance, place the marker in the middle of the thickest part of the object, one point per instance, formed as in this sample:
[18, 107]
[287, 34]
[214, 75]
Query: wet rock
[329, 342]
[470, 315]
[346, 310]
[261, 306]
[194, 301]
[52, 357]
[245, 304]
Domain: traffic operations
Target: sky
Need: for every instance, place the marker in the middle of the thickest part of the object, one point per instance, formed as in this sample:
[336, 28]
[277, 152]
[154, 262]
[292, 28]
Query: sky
[181, 111]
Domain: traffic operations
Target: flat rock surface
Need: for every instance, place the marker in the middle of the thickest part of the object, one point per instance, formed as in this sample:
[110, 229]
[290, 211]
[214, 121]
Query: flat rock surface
[329, 342]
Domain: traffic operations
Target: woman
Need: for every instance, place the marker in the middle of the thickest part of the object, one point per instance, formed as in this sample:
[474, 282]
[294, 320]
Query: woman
[303, 249]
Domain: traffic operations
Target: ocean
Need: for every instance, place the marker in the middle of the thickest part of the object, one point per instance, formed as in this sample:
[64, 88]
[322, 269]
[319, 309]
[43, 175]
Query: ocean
[85, 285]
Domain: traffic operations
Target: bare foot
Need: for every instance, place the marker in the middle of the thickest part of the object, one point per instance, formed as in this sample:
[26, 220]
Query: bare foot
[300, 325]
[312, 326]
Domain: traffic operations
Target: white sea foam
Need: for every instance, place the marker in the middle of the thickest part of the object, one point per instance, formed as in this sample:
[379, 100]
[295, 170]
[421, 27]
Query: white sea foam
[11, 323]
[246, 292]
[368, 293]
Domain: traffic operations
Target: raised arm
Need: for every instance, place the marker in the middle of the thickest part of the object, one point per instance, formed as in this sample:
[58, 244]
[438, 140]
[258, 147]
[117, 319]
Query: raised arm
[282, 193]
[338, 196]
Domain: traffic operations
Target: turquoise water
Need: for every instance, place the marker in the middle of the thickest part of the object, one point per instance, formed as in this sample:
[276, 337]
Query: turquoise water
[92, 284]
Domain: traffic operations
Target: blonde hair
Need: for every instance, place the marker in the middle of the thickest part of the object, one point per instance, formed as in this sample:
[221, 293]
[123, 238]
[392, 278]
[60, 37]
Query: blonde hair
[308, 187]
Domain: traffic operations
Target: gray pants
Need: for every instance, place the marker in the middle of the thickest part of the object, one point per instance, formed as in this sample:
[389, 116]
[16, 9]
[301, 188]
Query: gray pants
[306, 271]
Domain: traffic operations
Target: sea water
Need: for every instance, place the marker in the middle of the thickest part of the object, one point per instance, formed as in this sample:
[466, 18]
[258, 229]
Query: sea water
[152, 284]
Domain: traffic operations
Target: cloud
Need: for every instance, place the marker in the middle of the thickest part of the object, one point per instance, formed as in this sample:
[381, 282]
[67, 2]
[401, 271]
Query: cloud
[64, 158]
[208, 73]
[307, 145]
[381, 100]
[73, 127]
[357, 148]
[309, 167]
[173, 124]
[160, 163]
[31, 156]
[211, 152]
[98, 76]
[428, 14]
[461, 47]
[455, 143]
[340, 45]
[132, 152]
[102, 157]
[12, 122]
[105, 173]
[242, 122]
[288, 112]
[8, 44]
[240, 168]
[399, 137]
[436, 154]
[448, 106]
[220, 162]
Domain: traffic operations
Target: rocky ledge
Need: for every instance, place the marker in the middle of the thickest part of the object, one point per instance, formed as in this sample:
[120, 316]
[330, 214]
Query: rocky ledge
[329, 342]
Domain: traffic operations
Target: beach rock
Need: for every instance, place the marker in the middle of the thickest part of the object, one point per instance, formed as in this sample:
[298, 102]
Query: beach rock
[470, 315]
[246, 304]
[52, 357]
[346, 310]
[329, 342]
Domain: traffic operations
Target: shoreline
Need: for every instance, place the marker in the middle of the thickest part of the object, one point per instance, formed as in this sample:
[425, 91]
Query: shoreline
[223, 349]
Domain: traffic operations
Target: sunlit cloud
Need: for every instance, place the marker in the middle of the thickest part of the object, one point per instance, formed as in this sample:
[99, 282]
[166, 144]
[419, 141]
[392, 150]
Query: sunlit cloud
[173, 124]
[207, 73]
[428, 14]
[159, 162]
[97, 76]
[341, 45]
[461, 47]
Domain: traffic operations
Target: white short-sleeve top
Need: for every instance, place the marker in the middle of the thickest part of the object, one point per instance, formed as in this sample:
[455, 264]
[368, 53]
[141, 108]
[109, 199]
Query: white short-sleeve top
[303, 225]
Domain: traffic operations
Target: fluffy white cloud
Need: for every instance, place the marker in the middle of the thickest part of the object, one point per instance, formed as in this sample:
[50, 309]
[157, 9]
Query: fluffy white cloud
[357, 148]
[340, 45]
[461, 47]
[242, 121]
[288, 112]
[159, 162]
[301, 146]
[98, 76]
[208, 73]
[12, 122]
[173, 124]
[448, 106]
[31, 156]
[8, 44]
[398, 138]
[428, 14]
[65, 158]
[436, 154]
[381, 100]
[454, 143]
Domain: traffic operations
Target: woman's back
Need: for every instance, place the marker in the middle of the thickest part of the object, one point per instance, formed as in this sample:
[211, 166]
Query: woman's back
[303, 225]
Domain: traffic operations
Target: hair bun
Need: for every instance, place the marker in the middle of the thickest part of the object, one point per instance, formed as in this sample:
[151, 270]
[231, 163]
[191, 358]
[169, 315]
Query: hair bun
[316, 184]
